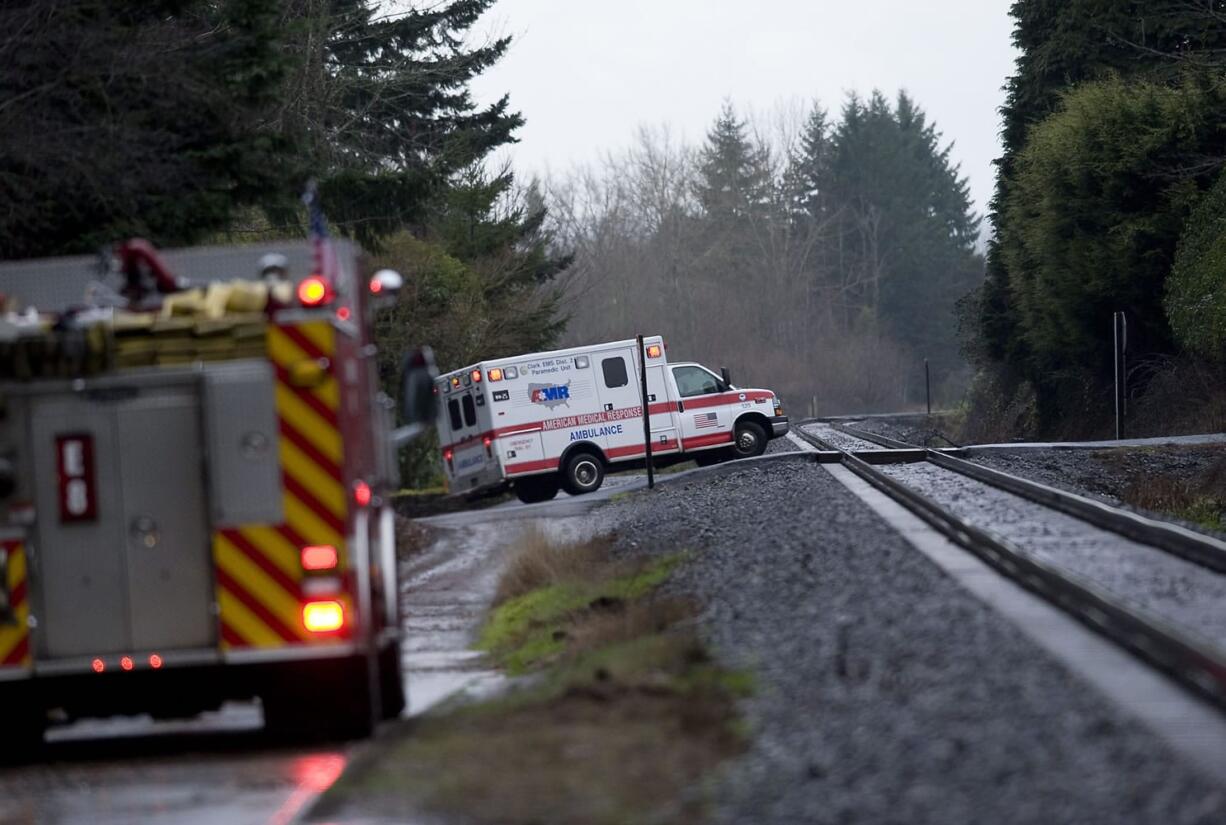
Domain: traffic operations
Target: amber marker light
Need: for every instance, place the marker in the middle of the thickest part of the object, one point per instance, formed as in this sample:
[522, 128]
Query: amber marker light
[323, 617]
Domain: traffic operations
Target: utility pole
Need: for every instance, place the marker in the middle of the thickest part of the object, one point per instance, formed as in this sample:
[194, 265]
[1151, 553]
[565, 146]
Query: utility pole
[1119, 330]
[651, 477]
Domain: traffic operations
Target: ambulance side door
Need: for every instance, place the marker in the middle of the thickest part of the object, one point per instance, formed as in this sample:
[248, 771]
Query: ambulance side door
[662, 401]
[617, 390]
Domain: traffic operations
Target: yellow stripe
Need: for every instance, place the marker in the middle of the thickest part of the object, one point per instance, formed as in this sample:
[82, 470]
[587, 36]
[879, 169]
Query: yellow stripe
[286, 354]
[12, 635]
[258, 585]
[276, 548]
[306, 421]
[306, 472]
[245, 623]
[321, 334]
[308, 525]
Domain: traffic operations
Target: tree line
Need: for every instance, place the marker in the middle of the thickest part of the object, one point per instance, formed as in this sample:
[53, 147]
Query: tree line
[821, 256]
[1109, 198]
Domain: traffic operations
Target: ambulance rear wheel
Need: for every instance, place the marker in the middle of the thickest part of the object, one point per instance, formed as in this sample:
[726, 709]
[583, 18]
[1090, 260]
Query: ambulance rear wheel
[749, 440]
[536, 488]
[584, 473]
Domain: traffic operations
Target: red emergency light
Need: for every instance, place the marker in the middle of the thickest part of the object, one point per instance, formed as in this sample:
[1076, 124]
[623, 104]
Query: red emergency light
[654, 351]
[476, 376]
[155, 662]
[314, 291]
[319, 557]
[362, 494]
[126, 663]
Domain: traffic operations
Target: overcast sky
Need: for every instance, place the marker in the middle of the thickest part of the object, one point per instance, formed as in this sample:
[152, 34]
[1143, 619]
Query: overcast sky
[587, 73]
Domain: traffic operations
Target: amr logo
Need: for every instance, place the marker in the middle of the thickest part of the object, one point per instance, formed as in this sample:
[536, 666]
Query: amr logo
[549, 395]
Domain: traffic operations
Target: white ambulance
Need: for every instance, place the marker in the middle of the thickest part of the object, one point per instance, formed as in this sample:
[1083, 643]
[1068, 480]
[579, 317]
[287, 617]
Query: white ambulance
[560, 420]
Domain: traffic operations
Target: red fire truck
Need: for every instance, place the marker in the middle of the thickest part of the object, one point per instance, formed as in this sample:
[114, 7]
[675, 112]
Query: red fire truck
[193, 490]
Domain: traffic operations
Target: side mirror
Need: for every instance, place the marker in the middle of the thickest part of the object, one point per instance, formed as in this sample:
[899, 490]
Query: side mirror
[727, 376]
[418, 401]
[386, 282]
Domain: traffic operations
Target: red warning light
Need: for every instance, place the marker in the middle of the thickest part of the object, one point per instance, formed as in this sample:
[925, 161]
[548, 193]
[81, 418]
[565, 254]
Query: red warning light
[155, 662]
[126, 663]
[313, 291]
[98, 665]
[343, 314]
[376, 286]
[319, 557]
[361, 493]
[476, 376]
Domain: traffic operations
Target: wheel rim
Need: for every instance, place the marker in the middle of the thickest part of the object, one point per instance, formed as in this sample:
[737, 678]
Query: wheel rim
[586, 473]
[746, 441]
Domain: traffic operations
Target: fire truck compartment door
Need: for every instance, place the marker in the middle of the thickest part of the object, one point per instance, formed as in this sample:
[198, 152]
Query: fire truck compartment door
[170, 576]
[138, 575]
[244, 457]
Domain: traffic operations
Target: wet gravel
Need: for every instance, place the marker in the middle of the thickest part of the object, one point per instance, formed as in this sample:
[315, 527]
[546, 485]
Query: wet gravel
[838, 439]
[1179, 591]
[884, 692]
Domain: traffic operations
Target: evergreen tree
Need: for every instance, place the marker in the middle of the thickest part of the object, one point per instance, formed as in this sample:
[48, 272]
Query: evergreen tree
[1064, 43]
[733, 175]
[128, 117]
[388, 110]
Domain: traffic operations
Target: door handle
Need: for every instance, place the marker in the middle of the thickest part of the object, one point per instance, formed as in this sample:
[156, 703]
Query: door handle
[145, 530]
[680, 406]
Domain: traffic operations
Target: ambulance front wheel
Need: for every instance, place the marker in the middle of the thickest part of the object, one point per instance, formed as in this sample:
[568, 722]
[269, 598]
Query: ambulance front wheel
[584, 473]
[533, 489]
[749, 440]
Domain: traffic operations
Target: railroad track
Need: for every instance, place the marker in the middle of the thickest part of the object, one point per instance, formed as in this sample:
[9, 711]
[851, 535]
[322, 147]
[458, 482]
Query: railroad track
[1157, 589]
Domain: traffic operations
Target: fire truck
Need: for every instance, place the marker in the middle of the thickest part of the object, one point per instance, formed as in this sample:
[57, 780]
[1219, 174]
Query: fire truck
[194, 488]
[551, 421]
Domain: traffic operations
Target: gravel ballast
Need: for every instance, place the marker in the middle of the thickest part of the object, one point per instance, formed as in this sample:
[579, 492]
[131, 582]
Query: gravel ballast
[885, 692]
[1186, 595]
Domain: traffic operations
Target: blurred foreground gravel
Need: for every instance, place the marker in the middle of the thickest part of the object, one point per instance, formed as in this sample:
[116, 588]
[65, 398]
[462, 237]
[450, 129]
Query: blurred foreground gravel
[885, 693]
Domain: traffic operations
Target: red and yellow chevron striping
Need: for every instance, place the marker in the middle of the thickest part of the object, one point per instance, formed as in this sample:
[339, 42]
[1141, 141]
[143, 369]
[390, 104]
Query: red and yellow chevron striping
[259, 572]
[14, 627]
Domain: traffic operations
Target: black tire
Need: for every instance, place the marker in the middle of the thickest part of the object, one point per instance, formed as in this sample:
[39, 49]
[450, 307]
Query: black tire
[749, 440]
[583, 473]
[320, 701]
[391, 682]
[535, 489]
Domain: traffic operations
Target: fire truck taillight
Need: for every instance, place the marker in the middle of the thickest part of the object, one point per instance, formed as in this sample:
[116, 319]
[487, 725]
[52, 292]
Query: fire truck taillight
[314, 292]
[98, 665]
[323, 617]
[155, 662]
[319, 557]
[362, 494]
[654, 351]
[126, 663]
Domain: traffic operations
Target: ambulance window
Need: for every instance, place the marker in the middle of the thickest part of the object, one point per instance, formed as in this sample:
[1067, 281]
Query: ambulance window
[453, 411]
[470, 411]
[614, 372]
[692, 381]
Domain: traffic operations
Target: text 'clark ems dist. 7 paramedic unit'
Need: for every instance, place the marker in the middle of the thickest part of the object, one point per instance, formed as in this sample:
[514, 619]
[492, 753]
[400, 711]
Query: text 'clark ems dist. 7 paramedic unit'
[559, 420]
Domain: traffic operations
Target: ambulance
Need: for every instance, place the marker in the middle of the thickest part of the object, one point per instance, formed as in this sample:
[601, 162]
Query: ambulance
[194, 490]
[560, 420]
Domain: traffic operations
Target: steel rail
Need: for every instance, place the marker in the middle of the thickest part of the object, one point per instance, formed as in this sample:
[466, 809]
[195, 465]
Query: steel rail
[1206, 551]
[1195, 665]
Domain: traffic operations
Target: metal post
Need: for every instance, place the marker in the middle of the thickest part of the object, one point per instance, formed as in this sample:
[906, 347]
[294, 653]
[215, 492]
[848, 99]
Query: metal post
[651, 477]
[1115, 352]
[928, 386]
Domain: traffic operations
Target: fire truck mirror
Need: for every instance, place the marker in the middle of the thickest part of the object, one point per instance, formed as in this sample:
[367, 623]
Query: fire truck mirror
[418, 403]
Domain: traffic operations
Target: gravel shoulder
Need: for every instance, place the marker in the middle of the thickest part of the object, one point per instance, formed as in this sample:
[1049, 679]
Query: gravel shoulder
[885, 692]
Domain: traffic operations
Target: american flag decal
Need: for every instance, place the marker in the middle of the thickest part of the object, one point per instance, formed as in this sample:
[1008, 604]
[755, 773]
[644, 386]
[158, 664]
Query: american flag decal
[705, 421]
